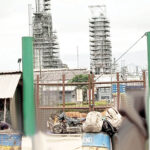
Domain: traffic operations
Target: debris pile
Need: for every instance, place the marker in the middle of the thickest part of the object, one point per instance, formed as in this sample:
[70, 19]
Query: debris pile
[76, 114]
[109, 121]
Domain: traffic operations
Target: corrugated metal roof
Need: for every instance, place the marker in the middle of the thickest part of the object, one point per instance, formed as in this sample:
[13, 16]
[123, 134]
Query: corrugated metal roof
[8, 85]
[49, 76]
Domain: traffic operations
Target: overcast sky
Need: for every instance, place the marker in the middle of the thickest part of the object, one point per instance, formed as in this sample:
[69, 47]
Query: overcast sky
[129, 20]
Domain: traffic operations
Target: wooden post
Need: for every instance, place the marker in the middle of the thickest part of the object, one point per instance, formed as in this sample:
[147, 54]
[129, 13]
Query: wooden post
[5, 110]
[89, 92]
[118, 91]
[93, 97]
[63, 94]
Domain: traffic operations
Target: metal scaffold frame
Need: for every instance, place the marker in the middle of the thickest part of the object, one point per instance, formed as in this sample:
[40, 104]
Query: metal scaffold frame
[100, 45]
[46, 47]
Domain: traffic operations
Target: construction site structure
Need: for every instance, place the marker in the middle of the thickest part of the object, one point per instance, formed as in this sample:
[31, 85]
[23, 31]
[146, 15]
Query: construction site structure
[46, 47]
[100, 44]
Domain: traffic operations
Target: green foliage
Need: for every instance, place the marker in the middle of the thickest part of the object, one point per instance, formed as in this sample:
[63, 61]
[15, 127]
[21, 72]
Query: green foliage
[85, 103]
[101, 103]
[80, 78]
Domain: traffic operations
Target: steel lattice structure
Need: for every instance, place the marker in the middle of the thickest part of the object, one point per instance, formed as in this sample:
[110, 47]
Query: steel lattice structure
[46, 47]
[100, 44]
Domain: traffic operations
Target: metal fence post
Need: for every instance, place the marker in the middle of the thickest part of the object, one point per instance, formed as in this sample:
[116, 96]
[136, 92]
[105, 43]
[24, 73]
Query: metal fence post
[93, 97]
[144, 79]
[63, 96]
[89, 92]
[118, 91]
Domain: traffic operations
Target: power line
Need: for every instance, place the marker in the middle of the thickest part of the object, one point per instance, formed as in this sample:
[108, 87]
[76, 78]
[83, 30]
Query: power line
[125, 52]
[130, 48]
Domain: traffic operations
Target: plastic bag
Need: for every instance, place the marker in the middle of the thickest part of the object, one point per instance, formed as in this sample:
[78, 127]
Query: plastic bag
[108, 128]
[93, 122]
[113, 116]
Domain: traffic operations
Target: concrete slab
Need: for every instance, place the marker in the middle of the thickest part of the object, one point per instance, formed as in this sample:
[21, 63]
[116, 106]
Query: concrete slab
[53, 142]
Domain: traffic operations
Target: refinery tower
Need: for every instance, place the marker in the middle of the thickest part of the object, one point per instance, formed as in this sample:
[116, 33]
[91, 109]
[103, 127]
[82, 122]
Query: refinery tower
[100, 45]
[46, 47]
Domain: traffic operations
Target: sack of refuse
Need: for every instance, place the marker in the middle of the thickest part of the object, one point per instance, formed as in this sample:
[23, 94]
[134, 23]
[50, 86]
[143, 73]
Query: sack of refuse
[114, 117]
[93, 122]
[108, 128]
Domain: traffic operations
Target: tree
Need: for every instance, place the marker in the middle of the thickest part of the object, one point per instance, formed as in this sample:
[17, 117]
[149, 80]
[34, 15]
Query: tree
[81, 78]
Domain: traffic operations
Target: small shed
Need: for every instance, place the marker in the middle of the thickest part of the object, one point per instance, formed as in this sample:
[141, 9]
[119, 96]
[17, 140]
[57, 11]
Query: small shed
[104, 91]
[11, 99]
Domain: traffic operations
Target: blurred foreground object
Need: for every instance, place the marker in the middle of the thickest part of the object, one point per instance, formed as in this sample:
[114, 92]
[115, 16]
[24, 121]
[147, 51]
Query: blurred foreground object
[4, 125]
[96, 141]
[132, 134]
[10, 141]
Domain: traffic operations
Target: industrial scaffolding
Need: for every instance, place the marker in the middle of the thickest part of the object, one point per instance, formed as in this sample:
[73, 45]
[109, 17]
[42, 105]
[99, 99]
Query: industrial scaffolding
[46, 47]
[100, 44]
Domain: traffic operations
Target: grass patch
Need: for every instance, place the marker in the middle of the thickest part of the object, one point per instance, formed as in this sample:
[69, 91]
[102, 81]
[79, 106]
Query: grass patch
[101, 103]
[86, 104]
